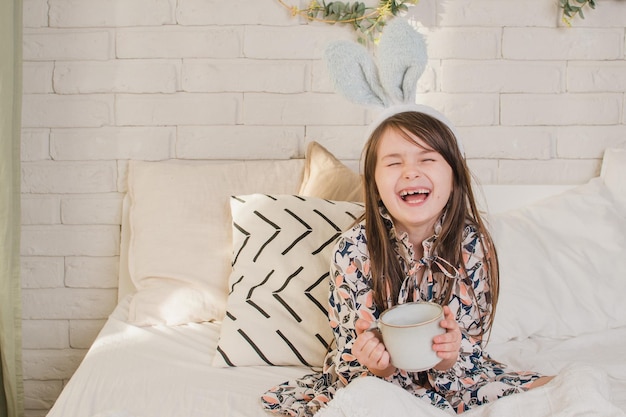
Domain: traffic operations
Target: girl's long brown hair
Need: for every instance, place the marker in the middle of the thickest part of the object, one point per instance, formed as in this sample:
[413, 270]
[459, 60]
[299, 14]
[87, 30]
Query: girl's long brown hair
[387, 274]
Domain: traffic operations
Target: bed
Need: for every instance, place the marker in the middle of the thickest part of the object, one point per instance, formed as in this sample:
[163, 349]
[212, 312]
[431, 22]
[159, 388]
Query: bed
[221, 291]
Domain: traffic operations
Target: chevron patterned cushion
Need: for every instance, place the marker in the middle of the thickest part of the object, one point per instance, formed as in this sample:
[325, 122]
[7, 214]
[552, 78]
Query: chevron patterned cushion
[276, 309]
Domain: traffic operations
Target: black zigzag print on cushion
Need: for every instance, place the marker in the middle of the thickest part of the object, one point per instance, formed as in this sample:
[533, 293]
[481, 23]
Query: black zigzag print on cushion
[276, 311]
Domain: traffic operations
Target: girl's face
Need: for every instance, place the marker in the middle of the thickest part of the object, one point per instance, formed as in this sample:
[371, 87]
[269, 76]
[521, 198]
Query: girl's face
[414, 182]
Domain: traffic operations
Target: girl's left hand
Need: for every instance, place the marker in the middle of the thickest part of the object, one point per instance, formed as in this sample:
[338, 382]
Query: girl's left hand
[448, 344]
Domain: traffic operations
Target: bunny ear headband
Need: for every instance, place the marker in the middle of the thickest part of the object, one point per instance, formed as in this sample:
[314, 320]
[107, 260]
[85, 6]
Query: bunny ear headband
[391, 81]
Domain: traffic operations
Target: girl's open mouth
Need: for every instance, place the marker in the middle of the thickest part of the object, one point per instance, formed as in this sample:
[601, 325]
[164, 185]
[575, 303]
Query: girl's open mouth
[415, 196]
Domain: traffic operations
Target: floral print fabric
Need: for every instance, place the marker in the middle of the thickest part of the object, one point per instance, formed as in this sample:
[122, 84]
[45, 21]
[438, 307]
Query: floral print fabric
[474, 380]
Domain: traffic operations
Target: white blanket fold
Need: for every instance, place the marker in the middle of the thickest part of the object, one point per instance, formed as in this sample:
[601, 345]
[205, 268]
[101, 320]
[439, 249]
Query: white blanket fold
[578, 390]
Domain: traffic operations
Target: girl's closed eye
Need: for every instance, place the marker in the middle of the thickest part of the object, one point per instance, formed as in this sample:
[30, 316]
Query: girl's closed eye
[430, 156]
[391, 162]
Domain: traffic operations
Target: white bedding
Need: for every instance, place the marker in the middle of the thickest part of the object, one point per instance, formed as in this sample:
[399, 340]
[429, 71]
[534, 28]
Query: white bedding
[166, 371]
[601, 350]
[163, 371]
[577, 391]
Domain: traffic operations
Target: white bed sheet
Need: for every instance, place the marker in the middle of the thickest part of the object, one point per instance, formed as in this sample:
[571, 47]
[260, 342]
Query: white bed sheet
[604, 350]
[163, 371]
[166, 371]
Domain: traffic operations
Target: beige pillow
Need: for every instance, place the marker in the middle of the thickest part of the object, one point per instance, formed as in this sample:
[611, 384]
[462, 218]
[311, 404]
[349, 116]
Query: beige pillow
[326, 177]
[180, 247]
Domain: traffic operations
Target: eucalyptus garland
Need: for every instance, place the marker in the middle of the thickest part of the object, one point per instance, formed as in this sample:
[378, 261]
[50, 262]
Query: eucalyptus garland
[574, 8]
[369, 21]
[366, 20]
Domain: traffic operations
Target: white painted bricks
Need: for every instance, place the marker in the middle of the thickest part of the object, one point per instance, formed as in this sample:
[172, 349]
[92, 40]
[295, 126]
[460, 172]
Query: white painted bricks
[106, 81]
[117, 76]
[95, 13]
[70, 240]
[69, 177]
[54, 110]
[112, 143]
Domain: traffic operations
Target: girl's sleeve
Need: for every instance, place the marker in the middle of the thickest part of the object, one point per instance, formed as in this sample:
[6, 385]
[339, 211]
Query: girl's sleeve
[472, 302]
[350, 299]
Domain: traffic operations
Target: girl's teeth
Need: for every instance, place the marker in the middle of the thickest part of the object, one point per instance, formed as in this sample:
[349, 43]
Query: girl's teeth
[405, 194]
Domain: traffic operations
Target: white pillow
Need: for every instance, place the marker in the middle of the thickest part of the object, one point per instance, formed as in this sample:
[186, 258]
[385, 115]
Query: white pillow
[180, 233]
[562, 265]
[277, 307]
[614, 173]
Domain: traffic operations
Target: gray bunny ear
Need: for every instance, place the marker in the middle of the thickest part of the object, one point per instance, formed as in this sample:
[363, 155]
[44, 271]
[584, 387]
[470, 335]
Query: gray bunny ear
[402, 58]
[354, 73]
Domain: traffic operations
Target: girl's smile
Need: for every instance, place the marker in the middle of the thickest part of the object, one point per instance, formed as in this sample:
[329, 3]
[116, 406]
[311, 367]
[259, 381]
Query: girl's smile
[414, 182]
[415, 196]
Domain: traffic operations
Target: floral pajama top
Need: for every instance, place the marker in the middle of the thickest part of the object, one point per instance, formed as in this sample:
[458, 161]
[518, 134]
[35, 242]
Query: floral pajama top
[474, 380]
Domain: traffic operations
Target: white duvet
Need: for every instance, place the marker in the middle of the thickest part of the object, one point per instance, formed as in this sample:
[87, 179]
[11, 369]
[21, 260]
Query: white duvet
[577, 390]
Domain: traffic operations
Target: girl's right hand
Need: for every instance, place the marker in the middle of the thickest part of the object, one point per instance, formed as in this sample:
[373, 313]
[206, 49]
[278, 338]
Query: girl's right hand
[370, 351]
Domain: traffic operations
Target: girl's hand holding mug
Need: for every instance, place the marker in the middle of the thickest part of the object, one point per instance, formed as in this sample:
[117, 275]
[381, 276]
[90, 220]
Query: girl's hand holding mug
[448, 344]
[370, 351]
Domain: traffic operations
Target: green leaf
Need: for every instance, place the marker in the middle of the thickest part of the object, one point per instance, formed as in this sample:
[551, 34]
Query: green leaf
[567, 10]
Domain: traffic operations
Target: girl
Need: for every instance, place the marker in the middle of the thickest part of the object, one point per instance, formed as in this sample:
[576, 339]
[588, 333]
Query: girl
[421, 238]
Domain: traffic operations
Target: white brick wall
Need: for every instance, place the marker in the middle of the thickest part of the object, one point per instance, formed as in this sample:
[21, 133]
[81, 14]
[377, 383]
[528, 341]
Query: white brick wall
[55, 110]
[95, 13]
[118, 76]
[106, 81]
[49, 44]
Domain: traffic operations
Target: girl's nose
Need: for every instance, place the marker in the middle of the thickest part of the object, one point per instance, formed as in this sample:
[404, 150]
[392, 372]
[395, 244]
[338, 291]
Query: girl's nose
[411, 172]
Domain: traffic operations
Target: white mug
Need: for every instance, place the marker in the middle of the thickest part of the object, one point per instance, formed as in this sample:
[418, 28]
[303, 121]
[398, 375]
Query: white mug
[408, 330]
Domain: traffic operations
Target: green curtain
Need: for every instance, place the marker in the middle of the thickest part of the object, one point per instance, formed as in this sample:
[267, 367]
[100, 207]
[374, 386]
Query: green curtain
[12, 392]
